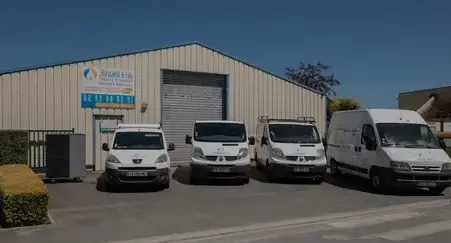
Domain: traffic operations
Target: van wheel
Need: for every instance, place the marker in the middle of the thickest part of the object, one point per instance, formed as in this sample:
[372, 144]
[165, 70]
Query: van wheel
[269, 175]
[334, 171]
[377, 182]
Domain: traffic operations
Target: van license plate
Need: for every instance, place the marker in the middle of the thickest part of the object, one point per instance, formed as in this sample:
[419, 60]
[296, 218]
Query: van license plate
[427, 184]
[301, 169]
[221, 170]
[137, 173]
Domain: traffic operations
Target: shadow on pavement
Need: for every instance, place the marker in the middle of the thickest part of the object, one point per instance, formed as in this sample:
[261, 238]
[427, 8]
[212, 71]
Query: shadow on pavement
[181, 175]
[136, 188]
[259, 175]
[362, 185]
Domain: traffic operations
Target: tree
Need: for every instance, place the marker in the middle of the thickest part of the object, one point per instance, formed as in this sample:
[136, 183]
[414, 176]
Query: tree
[343, 104]
[314, 76]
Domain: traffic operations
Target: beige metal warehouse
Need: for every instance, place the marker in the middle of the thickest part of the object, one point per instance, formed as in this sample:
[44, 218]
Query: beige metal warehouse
[176, 82]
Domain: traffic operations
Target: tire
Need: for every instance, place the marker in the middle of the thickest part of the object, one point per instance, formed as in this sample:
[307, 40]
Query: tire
[269, 175]
[166, 185]
[245, 181]
[377, 182]
[334, 171]
[437, 190]
[109, 187]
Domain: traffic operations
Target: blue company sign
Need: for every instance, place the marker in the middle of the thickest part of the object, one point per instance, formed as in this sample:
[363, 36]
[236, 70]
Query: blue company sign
[107, 88]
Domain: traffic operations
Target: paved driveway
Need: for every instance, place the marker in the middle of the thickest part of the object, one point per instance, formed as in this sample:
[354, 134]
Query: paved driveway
[84, 213]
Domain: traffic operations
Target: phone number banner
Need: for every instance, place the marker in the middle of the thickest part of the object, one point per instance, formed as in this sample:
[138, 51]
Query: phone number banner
[107, 88]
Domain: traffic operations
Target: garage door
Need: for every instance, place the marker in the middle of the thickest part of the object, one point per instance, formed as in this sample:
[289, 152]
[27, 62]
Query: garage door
[187, 97]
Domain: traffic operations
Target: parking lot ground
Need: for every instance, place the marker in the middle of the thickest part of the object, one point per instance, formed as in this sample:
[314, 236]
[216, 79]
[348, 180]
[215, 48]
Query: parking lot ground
[83, 212]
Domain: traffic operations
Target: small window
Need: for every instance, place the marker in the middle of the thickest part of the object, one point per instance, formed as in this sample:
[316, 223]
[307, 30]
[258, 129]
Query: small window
[367, 133]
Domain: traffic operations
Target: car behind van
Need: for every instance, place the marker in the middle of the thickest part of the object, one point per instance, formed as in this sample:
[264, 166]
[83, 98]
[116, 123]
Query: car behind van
[390, 147]
[138, 155]
[290, 148]
[219, 150]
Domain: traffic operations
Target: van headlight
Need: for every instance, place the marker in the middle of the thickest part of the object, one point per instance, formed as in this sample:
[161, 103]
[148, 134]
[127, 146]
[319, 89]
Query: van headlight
[399, 166]
[278, 153]
[162, 158]
[446, 167]
[197, 153]
[112, 159]
[242, 153]
[320, 154]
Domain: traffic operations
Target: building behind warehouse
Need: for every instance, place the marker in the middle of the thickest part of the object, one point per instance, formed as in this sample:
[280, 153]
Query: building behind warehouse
[439, 116]
[173, 86]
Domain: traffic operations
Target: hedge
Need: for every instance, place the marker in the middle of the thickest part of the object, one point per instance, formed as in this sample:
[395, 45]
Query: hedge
[13, 147]
[23, 197]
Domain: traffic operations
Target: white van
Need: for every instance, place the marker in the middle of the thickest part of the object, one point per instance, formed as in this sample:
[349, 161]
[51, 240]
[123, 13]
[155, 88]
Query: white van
[138, 154]
[219, 150]
[290, 148]
[391, 147]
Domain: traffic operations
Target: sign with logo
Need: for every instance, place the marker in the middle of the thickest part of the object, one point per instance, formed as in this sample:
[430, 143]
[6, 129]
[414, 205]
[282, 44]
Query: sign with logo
[107, 88]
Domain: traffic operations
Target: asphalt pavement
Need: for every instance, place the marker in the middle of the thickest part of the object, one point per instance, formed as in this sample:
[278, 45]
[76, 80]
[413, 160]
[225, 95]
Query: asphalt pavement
[256, 212]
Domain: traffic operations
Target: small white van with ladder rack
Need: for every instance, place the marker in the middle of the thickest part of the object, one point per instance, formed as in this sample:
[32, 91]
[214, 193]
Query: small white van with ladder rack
[219, 150]
[290, 148]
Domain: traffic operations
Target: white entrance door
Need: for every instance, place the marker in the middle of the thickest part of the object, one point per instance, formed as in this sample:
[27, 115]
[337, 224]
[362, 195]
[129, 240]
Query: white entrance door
[103, 135]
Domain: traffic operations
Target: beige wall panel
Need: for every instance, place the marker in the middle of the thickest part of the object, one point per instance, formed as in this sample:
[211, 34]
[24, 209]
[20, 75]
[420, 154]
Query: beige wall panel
[23, 94]
[41, 99]
[138, 87]
[6, 101]
[57, 97]
[15, 101]
[157, 81]
[47, 98]
[152, 84]
[145, 86]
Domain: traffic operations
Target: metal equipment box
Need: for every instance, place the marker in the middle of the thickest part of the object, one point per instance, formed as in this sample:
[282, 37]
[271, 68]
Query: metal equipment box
[65, 156]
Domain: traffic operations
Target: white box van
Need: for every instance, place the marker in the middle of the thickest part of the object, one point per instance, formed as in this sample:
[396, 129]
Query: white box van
[391, 147]
[290, 148]
[139, 154]
[219, 150]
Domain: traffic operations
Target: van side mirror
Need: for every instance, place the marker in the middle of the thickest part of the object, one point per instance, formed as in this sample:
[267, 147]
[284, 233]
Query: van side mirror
[264, 141]
[188, 139]
[171, 147]
[370, 144]
[251, 140]
[105, 147]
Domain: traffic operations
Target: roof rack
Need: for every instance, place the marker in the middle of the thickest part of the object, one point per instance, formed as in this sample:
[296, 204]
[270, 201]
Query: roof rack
[298, 119]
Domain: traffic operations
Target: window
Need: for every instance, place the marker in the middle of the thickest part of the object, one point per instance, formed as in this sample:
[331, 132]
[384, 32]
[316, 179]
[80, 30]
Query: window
[367, 133]
[138, 140]
[406, 135]
[293, 133]
[220, 132]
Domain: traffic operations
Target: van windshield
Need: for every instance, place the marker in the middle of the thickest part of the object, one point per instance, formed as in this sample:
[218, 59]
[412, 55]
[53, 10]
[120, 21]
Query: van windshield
[220, 132]
[293, 133]
[138, 140]
[406, 135]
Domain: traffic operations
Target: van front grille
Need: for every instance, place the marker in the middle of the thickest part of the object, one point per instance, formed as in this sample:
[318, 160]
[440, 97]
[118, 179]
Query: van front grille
[425, 168]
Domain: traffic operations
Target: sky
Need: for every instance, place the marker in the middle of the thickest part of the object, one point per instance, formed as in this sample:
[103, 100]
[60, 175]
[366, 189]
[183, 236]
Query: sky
[377, 49]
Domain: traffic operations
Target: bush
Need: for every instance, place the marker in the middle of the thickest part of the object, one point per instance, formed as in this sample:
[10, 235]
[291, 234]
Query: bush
[23, 197]
[13, 147]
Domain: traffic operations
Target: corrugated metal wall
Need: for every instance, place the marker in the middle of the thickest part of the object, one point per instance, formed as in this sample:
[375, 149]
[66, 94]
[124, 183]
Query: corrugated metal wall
[48, 98]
